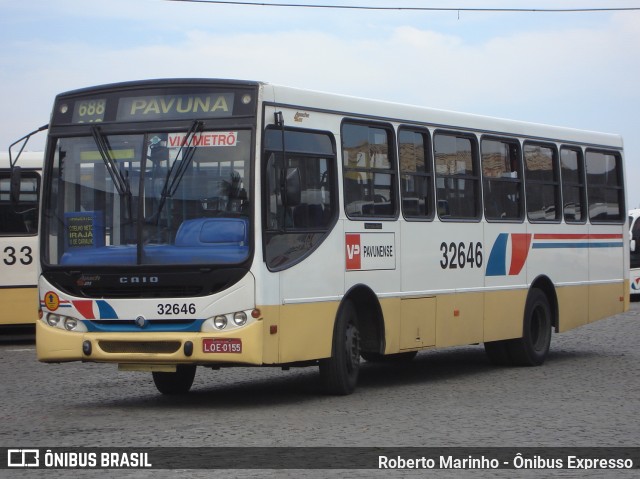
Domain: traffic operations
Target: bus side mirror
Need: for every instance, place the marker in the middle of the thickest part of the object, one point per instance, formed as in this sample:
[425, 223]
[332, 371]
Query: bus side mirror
[632, 245]
[15, 186]
[293, 188]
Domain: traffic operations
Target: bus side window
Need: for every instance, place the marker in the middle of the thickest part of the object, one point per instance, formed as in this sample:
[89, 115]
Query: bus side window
[368, 170]
[543, 182]
[457, 177]
[573, 190]
[416, 177]
[605, 188]
[502, 176]
[295, 226]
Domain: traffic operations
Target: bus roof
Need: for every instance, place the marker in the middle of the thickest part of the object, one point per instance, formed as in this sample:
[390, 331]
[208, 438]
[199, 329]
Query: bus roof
[381, 110]
[354, 106]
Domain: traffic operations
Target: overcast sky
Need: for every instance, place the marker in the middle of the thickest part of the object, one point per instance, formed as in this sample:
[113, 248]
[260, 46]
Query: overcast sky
[580, 70]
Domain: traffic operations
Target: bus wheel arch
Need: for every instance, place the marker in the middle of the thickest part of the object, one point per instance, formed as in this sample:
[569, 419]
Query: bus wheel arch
[538, 321]
[339, 372]
[370, 318]
[545, 284]
[539, 317]
[358, 327]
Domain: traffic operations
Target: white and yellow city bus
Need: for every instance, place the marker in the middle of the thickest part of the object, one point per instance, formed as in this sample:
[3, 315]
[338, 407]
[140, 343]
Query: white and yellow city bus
[217, 223]
[19, 242]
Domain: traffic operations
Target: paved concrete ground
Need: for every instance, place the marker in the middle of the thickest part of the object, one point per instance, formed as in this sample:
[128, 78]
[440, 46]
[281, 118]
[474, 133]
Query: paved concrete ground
[586, 394]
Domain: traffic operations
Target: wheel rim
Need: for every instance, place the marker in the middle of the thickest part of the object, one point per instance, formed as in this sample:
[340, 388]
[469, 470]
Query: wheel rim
[539, 328]
[352, 347]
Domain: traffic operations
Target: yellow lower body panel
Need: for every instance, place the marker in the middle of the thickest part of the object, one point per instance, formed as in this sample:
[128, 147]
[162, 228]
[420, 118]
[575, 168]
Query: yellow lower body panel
[304, 332]
[503, 314]
[607, 299]
[19, 305]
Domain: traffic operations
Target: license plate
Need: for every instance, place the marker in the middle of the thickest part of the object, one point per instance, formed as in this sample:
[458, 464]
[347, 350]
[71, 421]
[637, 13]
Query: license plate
[219, 345]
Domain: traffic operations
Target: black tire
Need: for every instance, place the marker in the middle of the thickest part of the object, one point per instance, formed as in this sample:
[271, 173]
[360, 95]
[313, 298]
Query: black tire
[339, 373]
[498, 352]
[175, 383]
[389, 358]
[532, 348]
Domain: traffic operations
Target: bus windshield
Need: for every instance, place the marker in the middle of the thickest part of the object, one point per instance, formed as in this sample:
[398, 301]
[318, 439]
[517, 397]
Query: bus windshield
[149, 198]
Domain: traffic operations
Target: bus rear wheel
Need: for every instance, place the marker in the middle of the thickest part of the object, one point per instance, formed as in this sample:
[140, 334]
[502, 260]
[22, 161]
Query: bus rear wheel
[532, 348]
[339, 373]
[498, 352]
[175, 383]
[404, 357]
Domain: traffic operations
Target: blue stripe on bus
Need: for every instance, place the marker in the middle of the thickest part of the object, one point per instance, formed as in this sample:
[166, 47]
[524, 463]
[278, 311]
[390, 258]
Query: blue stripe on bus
[575, 245]
[151, 327]
[497, 259]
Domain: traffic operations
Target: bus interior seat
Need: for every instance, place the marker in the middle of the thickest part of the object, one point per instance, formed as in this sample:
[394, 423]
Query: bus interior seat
[212, 231]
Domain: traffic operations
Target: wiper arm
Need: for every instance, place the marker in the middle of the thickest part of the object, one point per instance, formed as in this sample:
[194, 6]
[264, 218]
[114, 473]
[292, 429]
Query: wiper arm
[177, 171]
[170, 187]
[122, 186]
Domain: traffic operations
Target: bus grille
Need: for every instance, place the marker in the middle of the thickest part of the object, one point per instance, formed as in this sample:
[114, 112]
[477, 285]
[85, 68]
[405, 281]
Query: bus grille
[156, 292]
[160, 347]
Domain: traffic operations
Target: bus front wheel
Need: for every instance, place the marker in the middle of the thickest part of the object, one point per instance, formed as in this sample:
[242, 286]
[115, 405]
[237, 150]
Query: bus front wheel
[339, 373]
[175, 383]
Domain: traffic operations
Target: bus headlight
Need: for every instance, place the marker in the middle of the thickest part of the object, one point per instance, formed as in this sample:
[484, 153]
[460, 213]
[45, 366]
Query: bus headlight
[240, 318]
[228, 321]
[67, 323]
[220, 322]
[53, 319]
[70, 324]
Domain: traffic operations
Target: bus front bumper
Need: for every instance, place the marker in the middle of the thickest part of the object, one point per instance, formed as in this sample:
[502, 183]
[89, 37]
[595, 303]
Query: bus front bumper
[240, 346]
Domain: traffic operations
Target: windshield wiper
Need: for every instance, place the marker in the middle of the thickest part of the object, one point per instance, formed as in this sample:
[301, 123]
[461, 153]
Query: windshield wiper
[121, 184]
[178, 168]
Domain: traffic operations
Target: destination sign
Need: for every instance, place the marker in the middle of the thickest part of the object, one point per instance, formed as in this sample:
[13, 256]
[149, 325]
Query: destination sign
[89, 111]
[152, 102]
[175, 107]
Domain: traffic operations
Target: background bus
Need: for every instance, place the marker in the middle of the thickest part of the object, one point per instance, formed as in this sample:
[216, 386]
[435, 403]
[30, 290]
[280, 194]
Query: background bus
[19, 242]
[634, 273]
[210, 223]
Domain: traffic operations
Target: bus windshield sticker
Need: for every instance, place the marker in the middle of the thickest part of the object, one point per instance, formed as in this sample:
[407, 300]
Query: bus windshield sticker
[204, 139]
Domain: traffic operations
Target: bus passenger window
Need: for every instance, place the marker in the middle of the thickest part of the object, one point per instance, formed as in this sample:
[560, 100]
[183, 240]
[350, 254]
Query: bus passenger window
[457, 178]
[369, 175]
[416, 174]
[24, 221]
[502, 177]
[605, 187]
[543, 184]
[573, 190]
